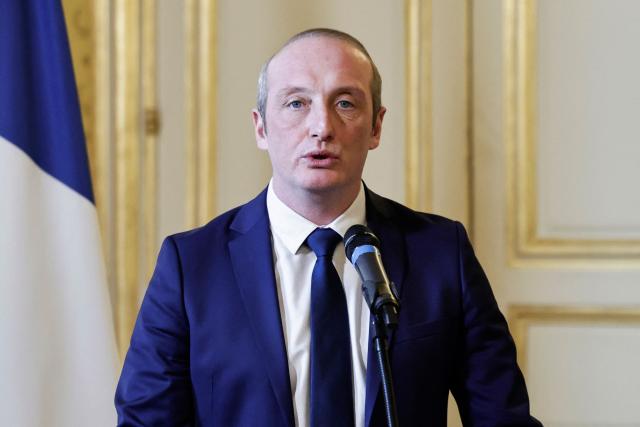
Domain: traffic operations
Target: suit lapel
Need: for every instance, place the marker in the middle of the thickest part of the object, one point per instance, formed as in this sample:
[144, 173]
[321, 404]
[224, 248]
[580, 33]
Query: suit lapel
[379, 220]
[252, 259]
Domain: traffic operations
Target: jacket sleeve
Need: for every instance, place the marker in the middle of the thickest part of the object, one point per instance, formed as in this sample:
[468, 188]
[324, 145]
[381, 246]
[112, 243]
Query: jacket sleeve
[155, 386]
[488, 385]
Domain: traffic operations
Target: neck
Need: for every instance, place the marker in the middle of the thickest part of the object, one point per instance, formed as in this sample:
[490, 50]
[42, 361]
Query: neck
[320, 207]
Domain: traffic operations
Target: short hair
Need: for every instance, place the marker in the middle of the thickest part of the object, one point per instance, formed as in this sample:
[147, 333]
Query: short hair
[376, 80]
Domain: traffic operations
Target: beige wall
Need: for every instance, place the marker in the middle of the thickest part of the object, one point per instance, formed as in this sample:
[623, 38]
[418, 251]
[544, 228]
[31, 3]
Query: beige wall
[556, 172]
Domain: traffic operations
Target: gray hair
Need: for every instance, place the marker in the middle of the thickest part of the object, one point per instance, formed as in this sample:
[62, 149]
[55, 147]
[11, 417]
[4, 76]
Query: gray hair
[376, 80]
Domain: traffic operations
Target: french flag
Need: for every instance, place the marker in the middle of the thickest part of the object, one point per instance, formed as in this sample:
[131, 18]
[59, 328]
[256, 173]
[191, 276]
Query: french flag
[58, 359]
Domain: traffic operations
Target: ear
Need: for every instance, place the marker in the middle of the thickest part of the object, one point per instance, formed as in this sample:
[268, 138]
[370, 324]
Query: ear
[376, 130]
[259, 129]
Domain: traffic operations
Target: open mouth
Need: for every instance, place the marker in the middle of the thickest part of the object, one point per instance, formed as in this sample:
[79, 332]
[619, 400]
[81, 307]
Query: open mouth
[321, 159]
[321, 155]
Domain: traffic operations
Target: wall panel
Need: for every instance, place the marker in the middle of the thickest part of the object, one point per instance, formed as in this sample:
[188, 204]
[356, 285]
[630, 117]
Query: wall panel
[580, 363]
[569, 132]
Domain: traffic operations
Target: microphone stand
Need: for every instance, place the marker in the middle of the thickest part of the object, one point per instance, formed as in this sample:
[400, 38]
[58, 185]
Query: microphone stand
[385, 317]
[382, 298]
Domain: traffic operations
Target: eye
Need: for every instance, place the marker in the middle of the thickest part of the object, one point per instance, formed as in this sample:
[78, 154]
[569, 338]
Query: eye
[295, 104]
[345, 104]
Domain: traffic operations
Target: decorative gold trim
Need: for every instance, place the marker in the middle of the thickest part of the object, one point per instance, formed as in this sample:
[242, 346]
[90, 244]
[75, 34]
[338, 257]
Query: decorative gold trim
[469, 94]
[127, 15]
[522, 317]
[102, 138]
[525, 244]
[117, 111]
[87, 28]
[191, 46]
[509, 72]
[207, 131]
[80, 30]
[201, 94]
[151, 129]
[419, 135]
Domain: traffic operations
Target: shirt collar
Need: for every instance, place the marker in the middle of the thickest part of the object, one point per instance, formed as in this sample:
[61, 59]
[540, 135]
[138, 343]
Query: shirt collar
[292, 228]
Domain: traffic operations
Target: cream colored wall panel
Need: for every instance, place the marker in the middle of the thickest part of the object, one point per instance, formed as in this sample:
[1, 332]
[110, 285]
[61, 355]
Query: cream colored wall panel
[553, 278]
[171, 98]
[571, 272]
[588, 109]
[489, 154]
[522, 135]
[579, 362]
[451, 147]
[584, 375]
[187, 92]
[448, 96]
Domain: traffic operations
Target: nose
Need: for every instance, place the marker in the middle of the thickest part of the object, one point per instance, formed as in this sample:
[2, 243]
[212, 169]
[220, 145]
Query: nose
[320, 123]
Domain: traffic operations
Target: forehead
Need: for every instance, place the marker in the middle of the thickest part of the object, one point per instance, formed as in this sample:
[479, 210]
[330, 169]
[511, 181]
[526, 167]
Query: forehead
[319, 60]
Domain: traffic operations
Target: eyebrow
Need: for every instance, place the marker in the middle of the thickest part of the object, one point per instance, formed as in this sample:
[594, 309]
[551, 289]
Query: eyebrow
[286, 91]
[354, 90]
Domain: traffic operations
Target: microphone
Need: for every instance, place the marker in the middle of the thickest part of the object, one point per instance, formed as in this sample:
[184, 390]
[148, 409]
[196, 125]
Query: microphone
[363, 250]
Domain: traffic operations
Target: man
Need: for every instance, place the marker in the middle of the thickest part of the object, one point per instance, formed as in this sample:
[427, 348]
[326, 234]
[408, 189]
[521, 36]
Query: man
[229, 331]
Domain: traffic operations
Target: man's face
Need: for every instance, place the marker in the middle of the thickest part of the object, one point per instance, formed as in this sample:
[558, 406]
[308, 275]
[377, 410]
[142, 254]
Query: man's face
[318, 114]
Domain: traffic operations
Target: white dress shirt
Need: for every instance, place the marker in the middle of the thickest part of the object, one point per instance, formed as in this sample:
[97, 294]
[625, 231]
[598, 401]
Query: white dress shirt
[294, 263]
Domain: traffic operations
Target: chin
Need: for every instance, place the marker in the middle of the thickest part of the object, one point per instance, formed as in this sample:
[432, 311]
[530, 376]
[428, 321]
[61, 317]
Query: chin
[325, 185]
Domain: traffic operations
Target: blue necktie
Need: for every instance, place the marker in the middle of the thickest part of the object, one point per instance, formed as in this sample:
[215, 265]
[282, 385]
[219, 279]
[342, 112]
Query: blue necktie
[331, 388]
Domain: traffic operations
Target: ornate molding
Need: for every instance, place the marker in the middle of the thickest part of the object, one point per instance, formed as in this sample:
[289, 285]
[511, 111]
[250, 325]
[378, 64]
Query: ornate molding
[526, 246]
[419, 135]
[201, 107]
[128, 120]
[470, 136]
[79, 16]
[151, 129]
[522, 317]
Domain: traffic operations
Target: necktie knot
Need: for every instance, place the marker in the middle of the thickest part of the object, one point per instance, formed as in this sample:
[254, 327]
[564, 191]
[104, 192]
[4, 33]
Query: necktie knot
[323, 241]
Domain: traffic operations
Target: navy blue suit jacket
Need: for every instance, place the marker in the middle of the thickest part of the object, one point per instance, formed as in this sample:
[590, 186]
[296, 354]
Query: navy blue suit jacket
[208, 347]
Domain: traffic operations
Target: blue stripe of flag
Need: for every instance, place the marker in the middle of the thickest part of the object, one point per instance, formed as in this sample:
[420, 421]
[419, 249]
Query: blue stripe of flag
[39, 109]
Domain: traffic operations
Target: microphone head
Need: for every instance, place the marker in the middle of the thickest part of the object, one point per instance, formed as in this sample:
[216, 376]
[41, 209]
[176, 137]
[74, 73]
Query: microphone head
[358, 235]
